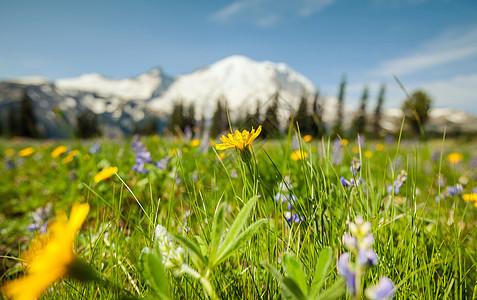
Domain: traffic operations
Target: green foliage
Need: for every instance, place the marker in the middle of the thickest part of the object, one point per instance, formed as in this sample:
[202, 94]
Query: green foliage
[378, 111]
[87, 125]
[270, 124]
[303, 118]
[337, 129]
[295, 284]
[220, 121]
[416, 111]
[177, 120]
[359, 123]
[152, 270]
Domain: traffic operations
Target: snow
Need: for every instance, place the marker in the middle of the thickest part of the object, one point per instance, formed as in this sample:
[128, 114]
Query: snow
[30, 80]
[139, 88]
[241, 80]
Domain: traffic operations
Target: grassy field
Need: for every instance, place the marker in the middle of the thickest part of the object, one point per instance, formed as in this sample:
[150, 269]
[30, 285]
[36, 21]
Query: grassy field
[263, 224]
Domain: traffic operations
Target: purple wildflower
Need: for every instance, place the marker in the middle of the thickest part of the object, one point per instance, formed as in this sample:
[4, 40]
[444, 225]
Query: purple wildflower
[383, 290]
[345, 270]
[162, 164]
[355, 166]
[95, 148]
[337, 152]
[367, 257]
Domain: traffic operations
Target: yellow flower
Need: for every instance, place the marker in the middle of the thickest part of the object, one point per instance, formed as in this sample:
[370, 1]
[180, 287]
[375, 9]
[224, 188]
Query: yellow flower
[70, 156]
[239, 140]
[222, 155]
[26, 152]
[185, 149]
[355, 149]
[9, 152]
[307, 138]
[344, 142]
[58, 151]
[368, 154]
[470, 197]
[455, 157]
[379, 147]
[298, 155]
[49, 256]
[105, 173]
[194, 143]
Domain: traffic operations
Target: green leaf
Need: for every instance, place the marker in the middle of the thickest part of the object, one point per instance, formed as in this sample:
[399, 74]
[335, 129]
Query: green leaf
[321, 270]
[217, 230]
[289, 287]
[238, 224]
[335, 291]
[151, 269]
[294, 270]
[192, 247]
[202, 246]
[225, 252]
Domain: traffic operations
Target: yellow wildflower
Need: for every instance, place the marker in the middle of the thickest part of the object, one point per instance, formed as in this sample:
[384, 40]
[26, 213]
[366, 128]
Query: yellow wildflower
[368, 154]
[222, 155]
[194, 143]
[298, 155]
[49, 256]
[379, 147]
[355, 149]
[26, 152]
[455, 157]
[307, 138]
[344, 142]
[239, 140]
[70, 156]
[58, 151]
[185, 149]
[470, 197]
[9, 152]
[105, 173]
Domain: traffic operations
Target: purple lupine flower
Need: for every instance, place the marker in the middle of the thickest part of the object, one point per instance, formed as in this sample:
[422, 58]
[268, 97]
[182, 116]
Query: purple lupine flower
[355, 166]
[293, 217]
[455, 190]
[9, 164]
[281, 198]
[95, 148]
[383, 290]
[40, 218]
[367, 257]
[337, 152]
[344, 270]
[389, 139]
[233, 173]
[350, 241]
[345, 182]
[162, 164]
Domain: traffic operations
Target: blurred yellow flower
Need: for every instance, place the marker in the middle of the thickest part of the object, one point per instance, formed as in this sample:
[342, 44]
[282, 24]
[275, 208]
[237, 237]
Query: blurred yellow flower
[455, 157]
[70, 156]
[470, 197]
[58, 151]
[368, 154]
[355, 149]
[49, 256]
[298, 155]
[239, 140]
[344, 142]
[194, 143]
[26, 152]
[155, 138]
[105, 173]
[9, 152]
[222, 155]
[379, 147]
[185, 149]
[307, 138]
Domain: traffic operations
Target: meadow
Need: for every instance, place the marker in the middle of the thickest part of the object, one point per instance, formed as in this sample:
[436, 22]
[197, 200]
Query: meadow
[297, 217]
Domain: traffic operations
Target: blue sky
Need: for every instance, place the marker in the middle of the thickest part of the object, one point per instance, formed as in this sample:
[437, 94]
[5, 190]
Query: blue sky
[429, 44]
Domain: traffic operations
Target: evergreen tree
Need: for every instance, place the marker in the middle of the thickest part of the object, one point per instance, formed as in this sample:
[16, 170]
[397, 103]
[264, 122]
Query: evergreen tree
[189, 119]
[416, 110]
[337, 129]
[270, 124]
[177, 117]
[377, 111]
[317, 116]
[302, 117]
[219, 120]
[87, 125]
[27, 124]
[360, 121]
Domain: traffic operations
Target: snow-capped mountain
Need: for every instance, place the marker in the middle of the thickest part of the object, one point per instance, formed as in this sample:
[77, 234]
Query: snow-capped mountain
[240, 80]
[143, 87]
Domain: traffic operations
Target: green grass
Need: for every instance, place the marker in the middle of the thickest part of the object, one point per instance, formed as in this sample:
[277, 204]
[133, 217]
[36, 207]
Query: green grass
[426, 247]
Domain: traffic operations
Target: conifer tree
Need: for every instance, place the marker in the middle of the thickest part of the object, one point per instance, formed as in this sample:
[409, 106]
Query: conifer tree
[177, 117]
[317, 115]
[360, 121]
[189, 119]
[270, 124]
[416, 110]
[27, 124]
[337, 129]
[219, 120]
[377, 111]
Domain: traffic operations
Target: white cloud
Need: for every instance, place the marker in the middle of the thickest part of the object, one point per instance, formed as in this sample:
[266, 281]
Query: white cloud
[267, 13]
[452, 46]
